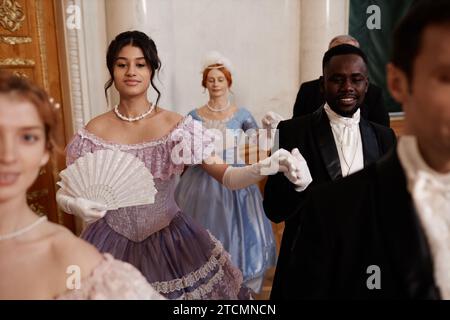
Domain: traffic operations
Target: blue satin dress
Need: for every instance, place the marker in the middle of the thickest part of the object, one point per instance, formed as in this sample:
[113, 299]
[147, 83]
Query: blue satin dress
[235, 218]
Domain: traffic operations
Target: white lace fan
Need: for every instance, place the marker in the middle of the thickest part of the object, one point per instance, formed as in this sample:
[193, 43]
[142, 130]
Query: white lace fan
[111, 177]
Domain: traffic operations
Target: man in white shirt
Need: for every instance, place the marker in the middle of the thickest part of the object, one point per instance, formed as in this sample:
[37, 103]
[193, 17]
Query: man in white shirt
[334, 140]
[384, 232]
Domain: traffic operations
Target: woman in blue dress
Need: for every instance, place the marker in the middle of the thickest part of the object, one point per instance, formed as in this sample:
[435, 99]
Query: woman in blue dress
[235, 217]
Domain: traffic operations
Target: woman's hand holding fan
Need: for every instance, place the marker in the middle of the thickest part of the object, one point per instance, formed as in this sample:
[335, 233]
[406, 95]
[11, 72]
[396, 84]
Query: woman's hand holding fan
[108, 180]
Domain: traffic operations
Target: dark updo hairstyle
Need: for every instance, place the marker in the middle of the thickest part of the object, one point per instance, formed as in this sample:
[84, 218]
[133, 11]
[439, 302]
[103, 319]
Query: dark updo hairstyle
[136, 39]
[21, 89]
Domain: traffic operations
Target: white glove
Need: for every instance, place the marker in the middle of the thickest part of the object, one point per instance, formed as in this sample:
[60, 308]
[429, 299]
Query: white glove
[277, 162]
[298, 172]
[87, 210]
[241, 177]
[271, 120]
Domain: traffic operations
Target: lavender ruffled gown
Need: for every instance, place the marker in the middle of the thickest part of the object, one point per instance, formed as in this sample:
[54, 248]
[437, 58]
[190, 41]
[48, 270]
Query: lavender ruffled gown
[179, 258]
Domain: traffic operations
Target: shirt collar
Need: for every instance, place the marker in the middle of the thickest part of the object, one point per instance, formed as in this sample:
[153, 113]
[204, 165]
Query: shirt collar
[340, 120]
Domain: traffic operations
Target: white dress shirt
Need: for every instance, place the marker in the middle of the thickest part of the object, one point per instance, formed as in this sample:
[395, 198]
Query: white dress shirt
[347, 137]
[430, 192]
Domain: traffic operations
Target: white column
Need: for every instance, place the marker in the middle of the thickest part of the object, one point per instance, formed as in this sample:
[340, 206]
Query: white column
[85, 42]
[320, 20]
[155, 19]
[95, 44]
[125, 16]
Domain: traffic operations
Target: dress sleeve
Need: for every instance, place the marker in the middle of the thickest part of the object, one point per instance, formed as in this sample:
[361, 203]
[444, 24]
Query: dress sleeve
[79, 146]
[73, 149]
[249, 121]
[192, 113]
[113, 279]
[193, 143]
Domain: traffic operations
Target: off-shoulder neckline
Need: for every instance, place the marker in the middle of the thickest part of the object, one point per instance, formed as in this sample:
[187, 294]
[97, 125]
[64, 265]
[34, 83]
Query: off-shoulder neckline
[84, 133]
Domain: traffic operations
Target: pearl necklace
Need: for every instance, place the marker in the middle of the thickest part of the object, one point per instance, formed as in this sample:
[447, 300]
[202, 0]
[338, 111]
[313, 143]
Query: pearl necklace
[218, 110]
[142, 116]
[23, 230]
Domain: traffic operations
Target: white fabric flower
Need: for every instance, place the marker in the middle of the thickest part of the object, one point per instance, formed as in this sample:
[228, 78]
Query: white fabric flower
[215, 57]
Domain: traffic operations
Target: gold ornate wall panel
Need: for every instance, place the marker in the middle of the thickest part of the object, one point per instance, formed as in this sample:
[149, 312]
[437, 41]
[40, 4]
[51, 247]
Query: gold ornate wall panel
[12, 16]
[17, 48]
[29, 48]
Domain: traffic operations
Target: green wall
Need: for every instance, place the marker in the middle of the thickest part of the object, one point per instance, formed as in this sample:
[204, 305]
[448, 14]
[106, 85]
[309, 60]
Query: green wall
[373, 30]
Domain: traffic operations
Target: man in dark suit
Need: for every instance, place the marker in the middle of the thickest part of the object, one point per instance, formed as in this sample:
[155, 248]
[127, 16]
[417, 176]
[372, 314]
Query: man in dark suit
[310, 98]
[335, 142]
[384, 232]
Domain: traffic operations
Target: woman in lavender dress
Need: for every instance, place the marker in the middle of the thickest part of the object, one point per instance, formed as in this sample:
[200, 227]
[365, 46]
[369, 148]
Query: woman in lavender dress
[235, 217]
[179, 258]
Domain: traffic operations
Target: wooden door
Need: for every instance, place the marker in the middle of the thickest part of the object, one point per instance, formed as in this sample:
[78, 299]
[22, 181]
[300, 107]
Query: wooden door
[29, 48]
